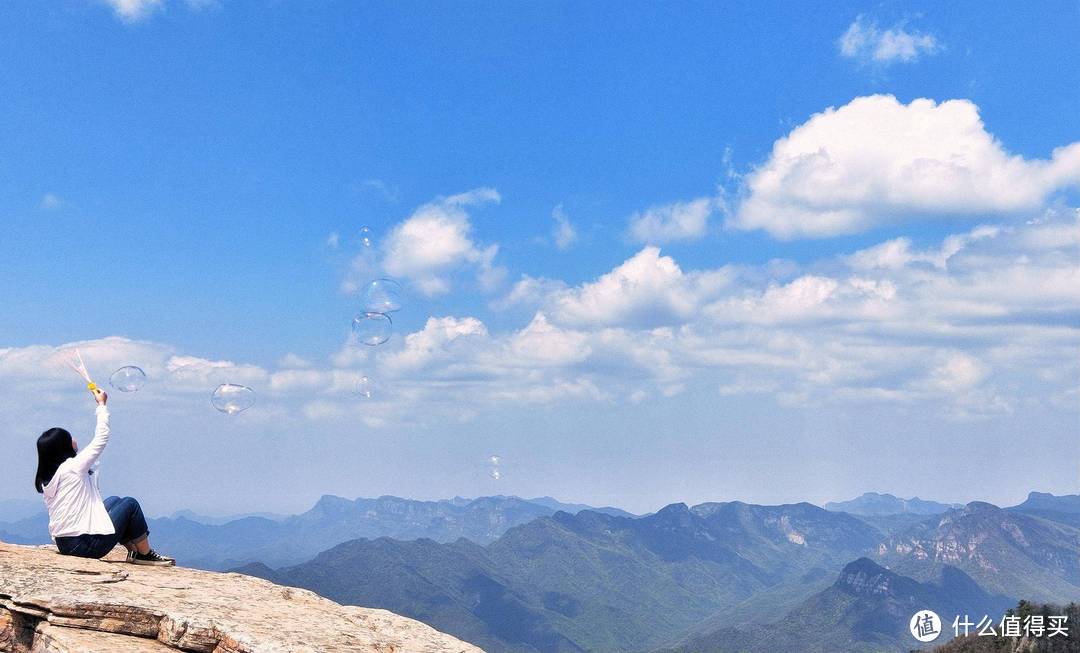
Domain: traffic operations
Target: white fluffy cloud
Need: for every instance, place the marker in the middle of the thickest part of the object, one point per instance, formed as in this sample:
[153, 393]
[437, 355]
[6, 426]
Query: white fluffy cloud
[442, 340]
[868, 43]
[436, 239]
[542, 343]
[647, 289]
[899, 252]
[530, 292]
[671, 222]
[457, 359]
[809, 297]
[956, 373]
[876, 160]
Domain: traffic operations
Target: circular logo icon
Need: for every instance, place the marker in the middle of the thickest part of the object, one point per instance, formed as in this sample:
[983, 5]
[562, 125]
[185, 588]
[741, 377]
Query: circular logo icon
[925, 625]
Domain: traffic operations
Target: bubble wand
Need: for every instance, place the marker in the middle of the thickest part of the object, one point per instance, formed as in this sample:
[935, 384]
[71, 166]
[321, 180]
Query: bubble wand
[79, 366]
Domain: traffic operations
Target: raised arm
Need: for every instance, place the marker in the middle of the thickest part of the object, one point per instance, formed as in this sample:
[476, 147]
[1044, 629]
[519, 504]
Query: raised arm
[89, 455]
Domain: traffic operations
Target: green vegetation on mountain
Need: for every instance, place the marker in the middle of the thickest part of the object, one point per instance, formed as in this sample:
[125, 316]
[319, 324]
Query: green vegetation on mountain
[866, 610]
[590, 581]
[1007, 552]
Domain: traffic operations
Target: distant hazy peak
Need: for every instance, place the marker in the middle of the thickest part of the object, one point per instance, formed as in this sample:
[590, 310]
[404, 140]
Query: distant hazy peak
[1043, 501]
[330, 502]
[874, 504]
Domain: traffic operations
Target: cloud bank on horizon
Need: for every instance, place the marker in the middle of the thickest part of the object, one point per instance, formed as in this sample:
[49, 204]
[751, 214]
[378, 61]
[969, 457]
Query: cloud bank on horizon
[973, 326]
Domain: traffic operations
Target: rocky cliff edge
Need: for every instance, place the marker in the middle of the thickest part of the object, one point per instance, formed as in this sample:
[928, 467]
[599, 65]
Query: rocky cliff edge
[51, 603]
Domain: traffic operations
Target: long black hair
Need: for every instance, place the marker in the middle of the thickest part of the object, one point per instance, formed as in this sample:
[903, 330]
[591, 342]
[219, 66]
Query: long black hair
[53, 447]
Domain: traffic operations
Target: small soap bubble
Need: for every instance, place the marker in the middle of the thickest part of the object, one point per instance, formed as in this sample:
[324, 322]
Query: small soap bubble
[365, 387]
[231, 398]
[372, 329]
[367, 236]
[381, 296]
[495, 474]
[128, 379]
[494, 459]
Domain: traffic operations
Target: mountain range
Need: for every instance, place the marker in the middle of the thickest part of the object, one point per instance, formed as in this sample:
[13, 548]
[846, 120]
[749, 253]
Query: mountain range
[1008, 552]
[591, 581]
[717, 574]
[536, 575]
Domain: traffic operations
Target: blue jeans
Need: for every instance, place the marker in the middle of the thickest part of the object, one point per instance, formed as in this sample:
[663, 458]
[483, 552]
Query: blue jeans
[129, 526]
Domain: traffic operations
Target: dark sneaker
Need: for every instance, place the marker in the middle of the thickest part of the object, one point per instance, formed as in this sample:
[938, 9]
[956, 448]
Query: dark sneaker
[151, 558]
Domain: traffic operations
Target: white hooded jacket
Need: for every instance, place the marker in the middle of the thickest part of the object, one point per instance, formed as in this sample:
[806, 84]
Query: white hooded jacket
[72, 496]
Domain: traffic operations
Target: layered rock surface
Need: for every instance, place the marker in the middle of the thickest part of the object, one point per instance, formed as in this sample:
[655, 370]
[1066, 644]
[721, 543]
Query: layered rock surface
[51, 603]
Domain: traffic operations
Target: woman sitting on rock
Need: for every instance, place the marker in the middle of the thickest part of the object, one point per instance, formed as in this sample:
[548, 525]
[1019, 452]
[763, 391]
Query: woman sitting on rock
[79, 521]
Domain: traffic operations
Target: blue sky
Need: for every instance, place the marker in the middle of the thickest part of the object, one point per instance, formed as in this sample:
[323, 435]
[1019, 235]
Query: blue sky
[190, 177]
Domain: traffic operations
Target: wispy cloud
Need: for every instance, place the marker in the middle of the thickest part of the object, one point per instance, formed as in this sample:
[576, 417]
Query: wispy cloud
[867, 43]
[672, 222]
[383, 190]
[134, 10]
[564, 232]
[51, 202]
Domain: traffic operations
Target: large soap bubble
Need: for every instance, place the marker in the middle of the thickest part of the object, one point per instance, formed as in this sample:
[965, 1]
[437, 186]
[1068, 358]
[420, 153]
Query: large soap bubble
[372, 329]
[381, 296]
[365, 387]
[128, 379]
[231, 398]
[367, 236]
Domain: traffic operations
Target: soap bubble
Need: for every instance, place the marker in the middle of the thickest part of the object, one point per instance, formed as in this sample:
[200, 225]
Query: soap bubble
[231, 399]
[367, 236]
[382, 296]
[494, 460]
[365, 387]
[128, 379]
[372, 329]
